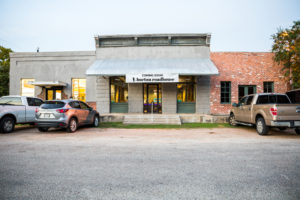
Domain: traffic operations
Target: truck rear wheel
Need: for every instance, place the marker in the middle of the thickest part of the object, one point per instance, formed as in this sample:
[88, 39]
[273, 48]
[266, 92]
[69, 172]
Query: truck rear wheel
[297, 130]
[261, 127]
[7, 125]
[231, 120]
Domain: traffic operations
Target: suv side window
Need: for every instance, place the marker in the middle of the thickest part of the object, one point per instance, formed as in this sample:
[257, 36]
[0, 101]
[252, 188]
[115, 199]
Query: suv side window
[249, 100]
[74, 104]
[83, 105]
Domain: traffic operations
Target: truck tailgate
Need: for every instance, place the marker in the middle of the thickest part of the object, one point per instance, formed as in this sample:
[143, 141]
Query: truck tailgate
[288, 112]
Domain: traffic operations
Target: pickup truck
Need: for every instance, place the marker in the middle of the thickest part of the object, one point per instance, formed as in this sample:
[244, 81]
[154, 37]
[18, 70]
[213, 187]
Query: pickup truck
[266, 110]
[17, 110]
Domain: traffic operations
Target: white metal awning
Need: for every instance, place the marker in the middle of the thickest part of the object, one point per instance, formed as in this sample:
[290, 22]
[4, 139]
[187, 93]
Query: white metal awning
[47, 83]
[180, 66]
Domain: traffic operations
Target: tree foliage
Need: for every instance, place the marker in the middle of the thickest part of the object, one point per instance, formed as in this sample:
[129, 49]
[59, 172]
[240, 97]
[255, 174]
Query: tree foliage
[4, 70]
[286, 47]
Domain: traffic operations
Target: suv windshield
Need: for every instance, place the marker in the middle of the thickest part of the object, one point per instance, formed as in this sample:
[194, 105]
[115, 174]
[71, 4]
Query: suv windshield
[52, 104]
[10, 101]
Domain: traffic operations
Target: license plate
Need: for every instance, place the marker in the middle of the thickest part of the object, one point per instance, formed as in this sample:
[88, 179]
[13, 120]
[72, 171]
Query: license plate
[47, 115]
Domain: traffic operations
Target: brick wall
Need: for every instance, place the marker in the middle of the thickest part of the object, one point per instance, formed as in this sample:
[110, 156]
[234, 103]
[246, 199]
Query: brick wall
[243, 68]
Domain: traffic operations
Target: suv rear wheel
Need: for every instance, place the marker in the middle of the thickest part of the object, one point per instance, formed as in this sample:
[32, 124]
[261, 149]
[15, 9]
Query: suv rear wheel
[297, 130]
[7, 125]
[261, 127]
[72, 126]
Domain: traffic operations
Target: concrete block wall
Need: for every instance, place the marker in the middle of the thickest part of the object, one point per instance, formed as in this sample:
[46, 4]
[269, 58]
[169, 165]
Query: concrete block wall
[102, 95]
[169, 98]
[91, 82]
[135, 98]
[48, 66]
[202, 95]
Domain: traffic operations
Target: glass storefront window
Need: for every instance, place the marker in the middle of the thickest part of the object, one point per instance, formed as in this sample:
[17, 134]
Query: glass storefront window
[186, 90]
[26, 88]
[118, 90]
[79, 89]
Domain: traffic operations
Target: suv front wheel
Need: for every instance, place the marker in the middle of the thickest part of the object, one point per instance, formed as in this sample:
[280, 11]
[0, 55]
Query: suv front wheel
[261, 127]
[96, 121]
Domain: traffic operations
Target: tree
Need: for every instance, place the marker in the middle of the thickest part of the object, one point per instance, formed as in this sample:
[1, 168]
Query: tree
[286, 48]
[4, 70]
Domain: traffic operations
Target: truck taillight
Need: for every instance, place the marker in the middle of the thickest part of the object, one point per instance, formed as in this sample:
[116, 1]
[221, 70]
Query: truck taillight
[62, 110]
[36, 110]
[273, 111]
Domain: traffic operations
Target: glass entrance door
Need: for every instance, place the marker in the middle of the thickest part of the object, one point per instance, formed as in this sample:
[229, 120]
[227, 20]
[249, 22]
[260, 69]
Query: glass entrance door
[53, 94]
[152, 98]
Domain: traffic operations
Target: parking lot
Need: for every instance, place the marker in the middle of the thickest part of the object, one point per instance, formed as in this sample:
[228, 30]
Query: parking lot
[95, 163]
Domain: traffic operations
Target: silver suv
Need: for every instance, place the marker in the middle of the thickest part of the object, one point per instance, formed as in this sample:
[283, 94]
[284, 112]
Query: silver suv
[69, 114]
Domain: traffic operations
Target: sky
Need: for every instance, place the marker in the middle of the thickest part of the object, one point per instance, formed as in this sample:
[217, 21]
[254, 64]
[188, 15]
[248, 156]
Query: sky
[70, 25]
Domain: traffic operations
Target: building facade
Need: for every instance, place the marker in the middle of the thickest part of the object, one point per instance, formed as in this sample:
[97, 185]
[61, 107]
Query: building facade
[162, 73]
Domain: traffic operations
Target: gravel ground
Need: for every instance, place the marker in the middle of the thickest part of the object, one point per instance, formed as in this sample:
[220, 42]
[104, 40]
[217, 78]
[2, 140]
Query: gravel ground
[221, 163]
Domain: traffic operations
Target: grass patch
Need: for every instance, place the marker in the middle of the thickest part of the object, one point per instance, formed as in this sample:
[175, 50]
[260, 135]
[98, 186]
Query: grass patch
[189, 125]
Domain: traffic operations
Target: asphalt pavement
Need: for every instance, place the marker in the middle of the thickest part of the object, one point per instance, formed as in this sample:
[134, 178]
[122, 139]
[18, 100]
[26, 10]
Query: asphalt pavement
[220, 163]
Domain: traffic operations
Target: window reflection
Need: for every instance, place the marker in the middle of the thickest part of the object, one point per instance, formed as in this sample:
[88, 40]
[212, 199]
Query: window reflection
[26, 88]
[118, 90]
[186, 90]
[78, 89]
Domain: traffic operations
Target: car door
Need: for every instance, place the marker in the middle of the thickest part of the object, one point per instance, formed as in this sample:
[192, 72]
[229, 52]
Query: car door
[240, 109]
[30, 109]
[85, 112]
[247, 109]
[76, 110]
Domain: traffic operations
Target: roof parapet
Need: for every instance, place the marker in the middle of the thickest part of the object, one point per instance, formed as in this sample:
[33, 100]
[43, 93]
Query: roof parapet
[153, 40]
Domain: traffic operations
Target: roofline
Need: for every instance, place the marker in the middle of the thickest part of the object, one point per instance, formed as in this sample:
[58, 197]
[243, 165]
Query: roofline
[154, 35]
[241, 52]
[52, 53]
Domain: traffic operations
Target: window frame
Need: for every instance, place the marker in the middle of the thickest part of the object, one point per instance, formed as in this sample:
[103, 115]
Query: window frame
[229, 102]
[110, 91]
[265, 84]
[21, 89]
[78, 89]
[188, 83]
[246, 90]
